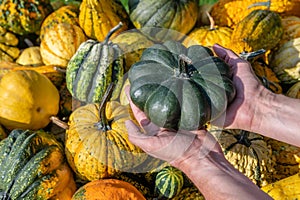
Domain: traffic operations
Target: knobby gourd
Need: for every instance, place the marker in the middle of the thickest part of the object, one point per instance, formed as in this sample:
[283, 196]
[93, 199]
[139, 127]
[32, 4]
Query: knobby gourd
[33, 166]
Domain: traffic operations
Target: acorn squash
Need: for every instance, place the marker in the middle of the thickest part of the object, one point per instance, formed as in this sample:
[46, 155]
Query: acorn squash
[179, 87]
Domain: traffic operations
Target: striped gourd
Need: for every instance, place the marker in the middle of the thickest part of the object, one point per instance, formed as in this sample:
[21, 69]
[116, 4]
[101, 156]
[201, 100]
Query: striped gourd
[93, 67]
[169, 181]
[33, 166]
[189, 193]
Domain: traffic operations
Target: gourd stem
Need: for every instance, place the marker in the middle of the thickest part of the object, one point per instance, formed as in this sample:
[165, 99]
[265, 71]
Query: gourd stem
[211, 21]
[244, 138]
[184, 61]
[112, 31]
[59, 123]
[265, 3]
[103, 121]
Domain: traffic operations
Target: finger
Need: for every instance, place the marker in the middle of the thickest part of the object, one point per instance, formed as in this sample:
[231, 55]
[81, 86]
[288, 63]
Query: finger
[137, 137]
[228, 56]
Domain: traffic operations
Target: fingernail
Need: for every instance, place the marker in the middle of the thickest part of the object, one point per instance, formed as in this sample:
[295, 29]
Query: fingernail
[144, 122]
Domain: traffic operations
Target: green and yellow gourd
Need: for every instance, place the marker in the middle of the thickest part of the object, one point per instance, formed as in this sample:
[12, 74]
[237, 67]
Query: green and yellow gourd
[179, 87]
[189, 193]
[33, 166]
[169, 181]
[97, 144]
[163, 20]
[24, 17]
[247, 152]
[8, 45]
[260, 29]
[98, 17]
[93, 67]
[65, 14]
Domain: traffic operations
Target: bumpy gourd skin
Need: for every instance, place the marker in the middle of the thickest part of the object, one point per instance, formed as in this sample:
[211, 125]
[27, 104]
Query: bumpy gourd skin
[181, 88]
[33, 166]
[23, 16]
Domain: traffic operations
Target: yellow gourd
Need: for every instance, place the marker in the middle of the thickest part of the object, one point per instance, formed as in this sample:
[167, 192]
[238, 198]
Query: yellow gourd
[28, 100]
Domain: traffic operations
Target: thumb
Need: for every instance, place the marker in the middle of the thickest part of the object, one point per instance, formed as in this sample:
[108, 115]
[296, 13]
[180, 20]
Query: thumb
[226, 54]
[136, 136]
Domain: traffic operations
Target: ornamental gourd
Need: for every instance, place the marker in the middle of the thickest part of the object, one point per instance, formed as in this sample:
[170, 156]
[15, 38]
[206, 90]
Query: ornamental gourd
[28, 100]
[260, 29]
[108, 189]
[98, 17]
[165, 19]
[8, 45]
[65, 14]
[33, 166]
[230, 12]
[132, 43]
[169, 181]
[285, 61]
[97, 143]
[24, 17]
[189, 193]
[247, 152]
[179, 87]
[60, 43]
[93, 67]
[208, 35]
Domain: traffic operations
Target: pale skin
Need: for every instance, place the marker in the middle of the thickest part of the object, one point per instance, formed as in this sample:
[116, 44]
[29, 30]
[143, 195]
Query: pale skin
[197, 153]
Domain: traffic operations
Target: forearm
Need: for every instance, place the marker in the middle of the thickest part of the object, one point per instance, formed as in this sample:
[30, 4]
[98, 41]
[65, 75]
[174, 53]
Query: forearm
[217, 179]
[278, 117]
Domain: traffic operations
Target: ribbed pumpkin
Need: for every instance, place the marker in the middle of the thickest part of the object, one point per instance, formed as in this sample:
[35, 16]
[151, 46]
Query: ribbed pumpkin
[93, 67]
[60, 43]
[231, 12]
[157, 19]
[98, 17]
[97, 143]
[108, 189]
[65, 14]
[260, 29]
[8, 45]
[24, 17]
[132, 43]
[179, 87]
[294, 90]
[287, 188]
[209, 35]
[189, 193]
[247, 152]
[169, 181]
[285, 61]
[28, 100]
[291, 27]
[33, 166]
[30, 56]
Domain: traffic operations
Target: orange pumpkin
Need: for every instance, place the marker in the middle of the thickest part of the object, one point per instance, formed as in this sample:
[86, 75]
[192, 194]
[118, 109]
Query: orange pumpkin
[108, 189]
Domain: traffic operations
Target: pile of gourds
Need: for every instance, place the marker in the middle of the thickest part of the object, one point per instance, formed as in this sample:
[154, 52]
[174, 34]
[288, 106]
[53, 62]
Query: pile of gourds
[64, 65]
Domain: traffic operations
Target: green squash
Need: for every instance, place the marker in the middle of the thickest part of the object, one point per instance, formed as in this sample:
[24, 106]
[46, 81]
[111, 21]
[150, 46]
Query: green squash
[24, 17]
[33, 166]
[169, 181]
[179, 87]
[93, 67]
[157, 18]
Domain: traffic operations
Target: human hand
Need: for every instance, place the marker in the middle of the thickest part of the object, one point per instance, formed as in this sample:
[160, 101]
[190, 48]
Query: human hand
[249, 90]
[174, 147]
